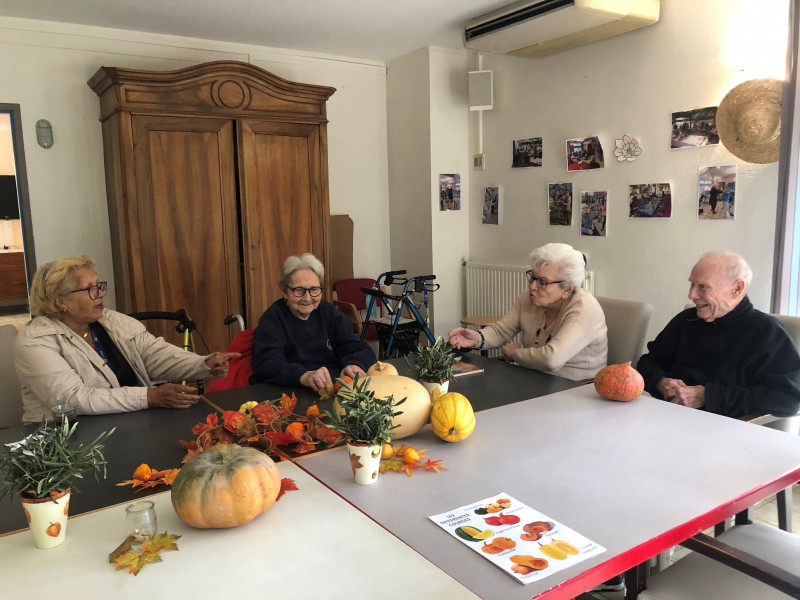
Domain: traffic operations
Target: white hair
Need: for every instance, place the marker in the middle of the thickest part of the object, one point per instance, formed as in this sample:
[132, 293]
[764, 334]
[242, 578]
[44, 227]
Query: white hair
[570, 263]
[735, 266]
[297, 263]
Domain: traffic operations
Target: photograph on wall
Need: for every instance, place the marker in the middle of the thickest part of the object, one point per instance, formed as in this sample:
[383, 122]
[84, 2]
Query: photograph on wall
[559, 203]
[527, 153]
[584, 153]
[593, 213]
[491, 206]
[650, 200]
[694, 128]
[716, 187]
[450, 191]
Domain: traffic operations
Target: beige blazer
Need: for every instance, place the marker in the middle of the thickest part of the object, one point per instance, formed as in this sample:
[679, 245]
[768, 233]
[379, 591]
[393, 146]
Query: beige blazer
[56, 366]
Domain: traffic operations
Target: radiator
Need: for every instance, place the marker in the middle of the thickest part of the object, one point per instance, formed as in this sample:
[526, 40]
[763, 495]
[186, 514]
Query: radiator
[493, 289]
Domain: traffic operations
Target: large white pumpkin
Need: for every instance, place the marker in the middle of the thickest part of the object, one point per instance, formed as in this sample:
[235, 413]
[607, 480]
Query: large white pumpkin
[416, 409]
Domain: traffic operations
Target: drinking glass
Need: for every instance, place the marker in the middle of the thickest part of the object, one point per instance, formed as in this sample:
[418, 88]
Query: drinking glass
[141, 519]
[64, 411]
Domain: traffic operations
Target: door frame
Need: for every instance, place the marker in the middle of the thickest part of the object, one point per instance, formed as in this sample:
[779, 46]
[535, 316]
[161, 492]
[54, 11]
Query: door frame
[22, 188]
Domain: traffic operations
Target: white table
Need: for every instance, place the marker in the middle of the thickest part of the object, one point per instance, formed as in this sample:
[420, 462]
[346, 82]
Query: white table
[636, 478]
[310, 544]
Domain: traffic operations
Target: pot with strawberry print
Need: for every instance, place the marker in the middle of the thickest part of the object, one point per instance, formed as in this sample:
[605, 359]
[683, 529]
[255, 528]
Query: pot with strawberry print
[42, 470]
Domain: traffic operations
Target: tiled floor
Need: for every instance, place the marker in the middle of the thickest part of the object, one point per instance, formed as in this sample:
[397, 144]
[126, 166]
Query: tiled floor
[765, 512]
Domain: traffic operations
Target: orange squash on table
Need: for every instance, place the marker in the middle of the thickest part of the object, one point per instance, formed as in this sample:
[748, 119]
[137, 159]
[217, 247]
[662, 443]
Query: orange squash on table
[225, 486]
[619, 382]
[452, 417]
[415, 410]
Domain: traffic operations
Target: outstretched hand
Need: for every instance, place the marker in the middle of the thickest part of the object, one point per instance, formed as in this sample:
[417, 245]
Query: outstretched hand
[460, 337]
[218, 363]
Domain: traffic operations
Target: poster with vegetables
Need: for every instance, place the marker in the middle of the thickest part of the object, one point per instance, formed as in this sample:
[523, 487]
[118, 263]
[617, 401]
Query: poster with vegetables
[525, 543]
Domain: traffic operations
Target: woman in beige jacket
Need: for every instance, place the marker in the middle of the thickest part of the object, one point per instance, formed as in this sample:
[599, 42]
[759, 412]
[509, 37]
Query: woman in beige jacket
[563, 327]
[77, 351]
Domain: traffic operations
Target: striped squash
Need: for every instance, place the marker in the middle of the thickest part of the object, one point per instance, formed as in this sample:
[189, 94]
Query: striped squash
[452, 418]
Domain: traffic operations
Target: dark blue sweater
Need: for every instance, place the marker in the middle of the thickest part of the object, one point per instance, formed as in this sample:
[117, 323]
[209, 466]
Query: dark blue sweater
[285, 347]
[745, 359]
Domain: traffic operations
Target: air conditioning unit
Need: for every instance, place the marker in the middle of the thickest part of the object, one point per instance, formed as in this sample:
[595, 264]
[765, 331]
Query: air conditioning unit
[541, 27]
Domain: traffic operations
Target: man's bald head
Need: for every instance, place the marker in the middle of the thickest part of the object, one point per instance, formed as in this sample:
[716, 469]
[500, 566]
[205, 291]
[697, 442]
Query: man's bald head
[719, 283]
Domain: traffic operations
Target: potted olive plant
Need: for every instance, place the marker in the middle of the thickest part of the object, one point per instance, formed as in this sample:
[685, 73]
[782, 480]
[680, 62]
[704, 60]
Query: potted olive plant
[366, 422]
[433, 365]
[42, 470]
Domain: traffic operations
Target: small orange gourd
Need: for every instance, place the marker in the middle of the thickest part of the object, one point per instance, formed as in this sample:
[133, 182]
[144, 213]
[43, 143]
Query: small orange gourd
[225, 486]
[452, 417]
[619, 382]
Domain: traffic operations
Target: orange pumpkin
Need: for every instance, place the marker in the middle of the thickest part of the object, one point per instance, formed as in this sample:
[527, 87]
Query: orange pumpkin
[225, 486]
[619, 382]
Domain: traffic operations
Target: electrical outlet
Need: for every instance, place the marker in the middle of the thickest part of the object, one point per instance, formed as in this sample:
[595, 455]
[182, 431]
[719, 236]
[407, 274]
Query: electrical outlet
[479, 162]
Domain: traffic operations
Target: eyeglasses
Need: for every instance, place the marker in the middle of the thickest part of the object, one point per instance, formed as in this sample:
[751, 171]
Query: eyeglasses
[540, 281]
[94, 290]
[299, 292]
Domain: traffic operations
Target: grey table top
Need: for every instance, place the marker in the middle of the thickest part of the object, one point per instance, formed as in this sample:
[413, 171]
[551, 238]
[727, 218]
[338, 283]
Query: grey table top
[634, 477]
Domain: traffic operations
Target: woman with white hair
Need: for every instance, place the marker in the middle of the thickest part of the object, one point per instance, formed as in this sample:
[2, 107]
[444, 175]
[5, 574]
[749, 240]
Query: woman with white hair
[301, 338]
[563, 327]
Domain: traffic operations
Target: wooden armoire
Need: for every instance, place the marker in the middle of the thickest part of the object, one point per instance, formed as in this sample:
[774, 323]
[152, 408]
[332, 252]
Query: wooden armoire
[214, 174]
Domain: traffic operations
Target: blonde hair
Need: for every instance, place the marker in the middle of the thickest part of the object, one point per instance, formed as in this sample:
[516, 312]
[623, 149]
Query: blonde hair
[54, 280]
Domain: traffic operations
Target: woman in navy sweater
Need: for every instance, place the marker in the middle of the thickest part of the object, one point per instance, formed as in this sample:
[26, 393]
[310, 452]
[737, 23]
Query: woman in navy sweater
[301, 338]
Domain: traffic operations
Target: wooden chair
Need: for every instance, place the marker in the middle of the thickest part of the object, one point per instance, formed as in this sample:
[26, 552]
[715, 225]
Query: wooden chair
[10, 392]
[627, 322]
[348, 298]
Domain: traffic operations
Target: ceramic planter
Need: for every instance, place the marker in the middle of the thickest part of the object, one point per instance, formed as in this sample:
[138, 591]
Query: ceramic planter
[433, 385]
[365, 459]
[47, 518]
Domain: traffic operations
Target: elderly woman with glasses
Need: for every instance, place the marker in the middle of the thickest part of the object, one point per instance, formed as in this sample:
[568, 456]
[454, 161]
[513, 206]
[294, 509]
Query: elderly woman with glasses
[301, 338]
[563, 327]
[77, 351]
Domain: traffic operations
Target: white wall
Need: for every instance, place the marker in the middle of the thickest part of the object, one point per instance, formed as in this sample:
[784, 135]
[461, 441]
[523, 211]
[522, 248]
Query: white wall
[449, 117]
[45, 68]
[631, 84]
[428, 136]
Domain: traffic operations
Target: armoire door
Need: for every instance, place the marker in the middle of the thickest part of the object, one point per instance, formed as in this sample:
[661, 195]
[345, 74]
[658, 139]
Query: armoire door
[283, 202]
[184, 224]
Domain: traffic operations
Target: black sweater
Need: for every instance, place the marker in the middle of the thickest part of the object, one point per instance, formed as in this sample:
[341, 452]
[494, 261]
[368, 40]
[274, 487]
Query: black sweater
[285, 347]
[745, 359]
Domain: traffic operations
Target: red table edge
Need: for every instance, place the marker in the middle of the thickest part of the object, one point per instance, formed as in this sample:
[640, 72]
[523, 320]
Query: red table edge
[620, 563]
[586, 580]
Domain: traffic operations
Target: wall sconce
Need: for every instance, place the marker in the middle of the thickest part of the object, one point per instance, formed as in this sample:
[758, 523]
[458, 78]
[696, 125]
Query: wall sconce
[44, 133]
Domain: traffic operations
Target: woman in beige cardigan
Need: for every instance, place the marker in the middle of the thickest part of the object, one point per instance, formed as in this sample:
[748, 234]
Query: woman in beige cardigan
[563, 327]
[77, 351]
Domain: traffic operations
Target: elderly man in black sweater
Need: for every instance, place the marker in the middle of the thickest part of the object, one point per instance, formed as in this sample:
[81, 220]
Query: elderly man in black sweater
[723, 355]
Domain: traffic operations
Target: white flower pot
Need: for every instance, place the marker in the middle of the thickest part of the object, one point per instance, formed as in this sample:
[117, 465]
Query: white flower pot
[434, 385]
[365, 459]
[47, 518]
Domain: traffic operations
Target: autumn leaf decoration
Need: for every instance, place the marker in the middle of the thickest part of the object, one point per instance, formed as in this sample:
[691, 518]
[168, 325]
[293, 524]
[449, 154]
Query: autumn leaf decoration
[264, 426]
[144, 477]
[125, 557]
[405, 459]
